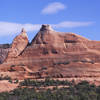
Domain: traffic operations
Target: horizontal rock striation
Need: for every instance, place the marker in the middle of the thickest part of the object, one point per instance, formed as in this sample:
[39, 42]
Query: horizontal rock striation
[53, 54]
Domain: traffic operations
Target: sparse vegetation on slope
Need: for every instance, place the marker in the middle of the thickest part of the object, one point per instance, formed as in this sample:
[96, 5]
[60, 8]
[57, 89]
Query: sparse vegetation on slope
[46, 82]
[80, 91]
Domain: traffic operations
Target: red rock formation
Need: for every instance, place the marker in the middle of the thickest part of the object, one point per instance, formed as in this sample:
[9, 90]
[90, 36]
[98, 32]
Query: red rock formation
[4, 48]
[18, 45]
[54, 54]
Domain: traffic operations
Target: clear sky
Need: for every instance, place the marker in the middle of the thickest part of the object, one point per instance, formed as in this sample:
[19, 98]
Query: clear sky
[79, 16]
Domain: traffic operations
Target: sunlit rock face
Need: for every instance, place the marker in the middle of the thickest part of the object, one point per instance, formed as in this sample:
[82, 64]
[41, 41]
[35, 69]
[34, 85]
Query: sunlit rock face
[19, 44]
[53, 54]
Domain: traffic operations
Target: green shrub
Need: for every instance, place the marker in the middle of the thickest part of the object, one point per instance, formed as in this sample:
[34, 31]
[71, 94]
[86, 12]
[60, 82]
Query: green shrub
[80, 91]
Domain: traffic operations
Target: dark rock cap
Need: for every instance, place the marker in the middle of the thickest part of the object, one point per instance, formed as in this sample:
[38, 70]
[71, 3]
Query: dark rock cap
[46, 27]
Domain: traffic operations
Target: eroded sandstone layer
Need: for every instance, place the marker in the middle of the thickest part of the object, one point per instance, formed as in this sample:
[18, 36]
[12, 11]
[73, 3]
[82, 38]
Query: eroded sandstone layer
[53, 54]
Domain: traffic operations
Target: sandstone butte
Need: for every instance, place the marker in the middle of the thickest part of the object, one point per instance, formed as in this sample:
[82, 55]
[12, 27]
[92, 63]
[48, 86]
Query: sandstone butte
[53, 54]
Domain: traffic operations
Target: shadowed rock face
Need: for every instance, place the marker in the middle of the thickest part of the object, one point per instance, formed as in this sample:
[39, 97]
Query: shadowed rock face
[4, 48]
[54, 54]
[46, 27]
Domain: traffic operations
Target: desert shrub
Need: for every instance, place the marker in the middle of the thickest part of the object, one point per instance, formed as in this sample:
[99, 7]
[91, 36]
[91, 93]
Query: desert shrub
[46, 82]
[86, 61]
[12, 65]
[80, 91]
[64, 62]
[5, 78]
[10, 80]
[16, 81]
[54, 51]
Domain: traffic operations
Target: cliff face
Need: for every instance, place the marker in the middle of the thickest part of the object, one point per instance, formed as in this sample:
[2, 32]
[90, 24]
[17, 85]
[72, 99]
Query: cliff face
[53, 54]
[18, 45]
[4, 48]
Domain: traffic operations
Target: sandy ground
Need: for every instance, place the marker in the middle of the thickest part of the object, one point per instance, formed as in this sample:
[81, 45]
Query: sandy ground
[6, 86]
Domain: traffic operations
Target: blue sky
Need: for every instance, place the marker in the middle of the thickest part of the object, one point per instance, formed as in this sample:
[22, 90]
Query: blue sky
[78, 16]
